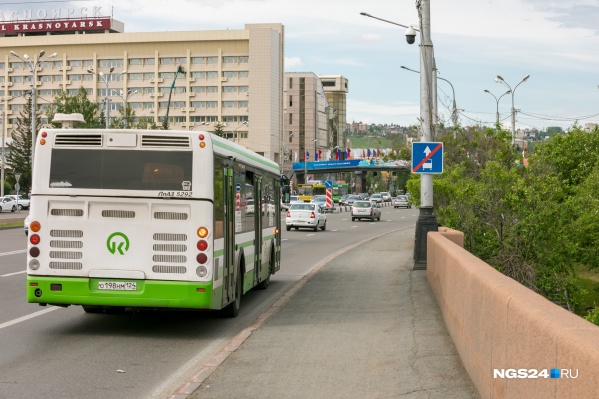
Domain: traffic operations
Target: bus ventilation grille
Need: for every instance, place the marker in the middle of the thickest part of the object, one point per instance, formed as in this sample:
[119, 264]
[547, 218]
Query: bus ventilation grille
[87, 140]
[65, 255]
[170, 258]
[65, 244]
[66, 212]
[170, 247]
[66, 233]
[169, 237]
[169, 269]
[66, 265]
[118, 214]
[165, 141]
[171, 215]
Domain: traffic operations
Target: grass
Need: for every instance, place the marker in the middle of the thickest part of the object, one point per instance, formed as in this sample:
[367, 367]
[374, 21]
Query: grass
[13, 224]
[589, 281]
[369, 142]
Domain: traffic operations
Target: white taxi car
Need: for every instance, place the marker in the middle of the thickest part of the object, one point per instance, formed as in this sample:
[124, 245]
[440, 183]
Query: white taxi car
[8, 204]
[307, 216]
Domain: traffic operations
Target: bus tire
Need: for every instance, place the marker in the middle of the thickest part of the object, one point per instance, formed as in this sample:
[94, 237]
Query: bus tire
[232, 309]
[271, 266]
[288, 227]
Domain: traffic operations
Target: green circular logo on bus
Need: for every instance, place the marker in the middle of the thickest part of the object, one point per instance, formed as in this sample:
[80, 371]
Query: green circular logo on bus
[114, 243]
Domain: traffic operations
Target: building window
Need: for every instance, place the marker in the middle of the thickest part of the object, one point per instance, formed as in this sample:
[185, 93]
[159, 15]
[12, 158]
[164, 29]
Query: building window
[198, 75]
[212, 60]
[211, 89]
[243, 118]
[45, 92]
[230, 74]
[290, 118]
[212, 75]
[244, 89]
[16, 79]
[244, 74]
[135, 105]
[45, 64]
[291, 83]
[148, 61]
[198, 104]
[56, 92]
[291, 101]
[73, 92]
[244, 60]
[18, 65]
[243, 104]
[57, 78]
[212, 118]
[148, 105]
[180, 89]
[109, 63]
[179, 104]
[136, 76]
[290, 137]
[74, 77]
[230, 89]
[166, 61]
[135, 61]
[229, 119]
[148, 75]
[229, 60]
[229, 104]
[198, 60]
[2, 65]
[88, 63]
[181, 60]
[197, 119]
[328, 84]
[162, 104]
[148, 90]
[15, 93]
[211, 104]
[198, 89]
[74, 63]
[16, 107]
[180, 119]
[88, 77]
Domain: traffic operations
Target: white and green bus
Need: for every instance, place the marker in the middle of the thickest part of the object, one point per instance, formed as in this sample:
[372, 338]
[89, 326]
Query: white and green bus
[150, 219]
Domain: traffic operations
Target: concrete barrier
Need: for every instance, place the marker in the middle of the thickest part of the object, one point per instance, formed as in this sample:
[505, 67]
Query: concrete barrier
[498, 324]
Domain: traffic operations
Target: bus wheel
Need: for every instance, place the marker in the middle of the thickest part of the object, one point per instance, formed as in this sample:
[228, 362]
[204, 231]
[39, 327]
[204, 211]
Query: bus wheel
[232, 309]
[271, 266]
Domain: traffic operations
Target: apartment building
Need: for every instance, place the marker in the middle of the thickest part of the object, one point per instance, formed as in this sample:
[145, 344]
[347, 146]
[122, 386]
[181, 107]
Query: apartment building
[230, 77]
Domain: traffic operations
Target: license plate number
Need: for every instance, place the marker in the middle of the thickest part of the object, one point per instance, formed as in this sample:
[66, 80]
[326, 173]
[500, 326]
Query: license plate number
[117, 285]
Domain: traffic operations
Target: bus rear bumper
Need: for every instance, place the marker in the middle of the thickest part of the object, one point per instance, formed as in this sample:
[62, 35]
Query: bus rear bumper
[63, 291]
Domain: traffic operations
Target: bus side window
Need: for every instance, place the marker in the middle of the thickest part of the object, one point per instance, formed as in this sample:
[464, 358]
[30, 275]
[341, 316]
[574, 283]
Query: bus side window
[219, 203]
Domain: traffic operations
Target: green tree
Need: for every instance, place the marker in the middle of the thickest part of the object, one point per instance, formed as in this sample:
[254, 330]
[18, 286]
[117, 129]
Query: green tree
[19, 157]
[77, 104]
[218, 129]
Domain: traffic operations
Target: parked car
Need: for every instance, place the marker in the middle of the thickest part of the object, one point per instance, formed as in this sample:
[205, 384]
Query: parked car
[342, 199]
[365, 210]
[378, 198]
[350, 199]
[305, 216]
[8, 204]
[23, 202]
[386, 196]
[401, 201]
[26, 225]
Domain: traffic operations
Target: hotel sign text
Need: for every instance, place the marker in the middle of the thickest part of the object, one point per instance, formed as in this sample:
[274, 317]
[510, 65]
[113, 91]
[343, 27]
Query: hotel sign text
[55, 25]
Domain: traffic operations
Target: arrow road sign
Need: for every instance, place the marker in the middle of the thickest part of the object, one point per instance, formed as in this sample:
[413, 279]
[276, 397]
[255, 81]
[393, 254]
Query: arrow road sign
[427, 157]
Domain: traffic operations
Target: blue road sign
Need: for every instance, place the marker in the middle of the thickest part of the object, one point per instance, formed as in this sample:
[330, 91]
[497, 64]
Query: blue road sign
[328, 184]
[427, 157]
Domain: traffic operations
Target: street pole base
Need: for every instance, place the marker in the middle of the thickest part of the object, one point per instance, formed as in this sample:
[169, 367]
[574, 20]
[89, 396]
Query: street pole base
[427, 221]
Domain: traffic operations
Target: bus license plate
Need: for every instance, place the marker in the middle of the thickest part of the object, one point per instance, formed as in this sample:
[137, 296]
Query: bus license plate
[117, 285]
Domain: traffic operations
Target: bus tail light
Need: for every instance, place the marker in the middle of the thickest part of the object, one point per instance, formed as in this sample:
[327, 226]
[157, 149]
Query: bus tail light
[203, 232]
[202, 245]
[34, 239]
[35, 226]
[202, 258]
[201, 271]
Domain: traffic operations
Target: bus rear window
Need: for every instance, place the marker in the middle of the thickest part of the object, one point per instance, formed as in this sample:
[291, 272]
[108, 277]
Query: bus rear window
[121, 169]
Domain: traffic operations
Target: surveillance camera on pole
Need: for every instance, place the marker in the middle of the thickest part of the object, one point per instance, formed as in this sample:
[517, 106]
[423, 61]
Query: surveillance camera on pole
[410, 35]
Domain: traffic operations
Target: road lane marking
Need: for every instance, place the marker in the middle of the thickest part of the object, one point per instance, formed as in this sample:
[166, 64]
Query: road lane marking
[12, 274]
[25, 318]
[20, 251]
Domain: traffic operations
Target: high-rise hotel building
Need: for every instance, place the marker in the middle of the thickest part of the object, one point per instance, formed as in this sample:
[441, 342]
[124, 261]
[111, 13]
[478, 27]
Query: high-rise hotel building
[231, 77]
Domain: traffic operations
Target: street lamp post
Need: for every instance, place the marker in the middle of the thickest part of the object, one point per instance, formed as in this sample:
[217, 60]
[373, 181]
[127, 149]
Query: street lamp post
[106, 79]
[125, 97]
[427, 220]
[306, 162]
[454, 110]
[499, 79]
[234, 131]
[497, 100]
[33, 65]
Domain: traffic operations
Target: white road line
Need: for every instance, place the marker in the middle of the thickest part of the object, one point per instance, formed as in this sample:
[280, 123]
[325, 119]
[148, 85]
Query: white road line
[12, 274]
[20, 251]
[25, 318]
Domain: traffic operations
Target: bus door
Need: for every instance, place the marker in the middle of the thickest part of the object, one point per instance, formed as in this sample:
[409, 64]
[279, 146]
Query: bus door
[229, 234]
[258, 245]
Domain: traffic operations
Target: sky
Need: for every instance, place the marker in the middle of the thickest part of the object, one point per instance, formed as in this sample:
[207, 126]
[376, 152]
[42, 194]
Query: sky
[555, 42]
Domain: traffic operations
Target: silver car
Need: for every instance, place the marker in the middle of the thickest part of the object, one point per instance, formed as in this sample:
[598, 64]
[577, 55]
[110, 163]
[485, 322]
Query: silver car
[365, 210]
[307, 216]
[401, 201]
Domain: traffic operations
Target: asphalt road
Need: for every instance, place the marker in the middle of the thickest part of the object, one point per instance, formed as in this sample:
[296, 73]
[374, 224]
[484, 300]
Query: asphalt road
[51, 352]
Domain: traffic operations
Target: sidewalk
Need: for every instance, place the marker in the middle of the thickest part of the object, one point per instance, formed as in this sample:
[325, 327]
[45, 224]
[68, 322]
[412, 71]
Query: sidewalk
[364, 326]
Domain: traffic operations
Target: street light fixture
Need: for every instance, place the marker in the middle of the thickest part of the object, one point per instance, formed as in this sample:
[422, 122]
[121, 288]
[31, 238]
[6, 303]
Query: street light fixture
[106, 79]
[33, 65]
[234, 131]
[454, 110]
[497, 100]
[499, 79]
[427, 220]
